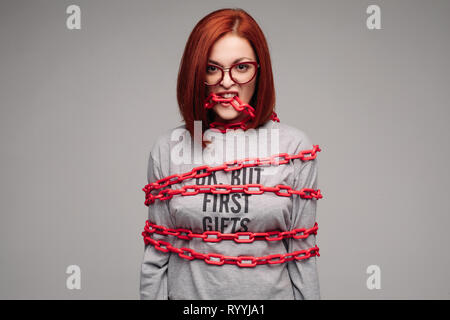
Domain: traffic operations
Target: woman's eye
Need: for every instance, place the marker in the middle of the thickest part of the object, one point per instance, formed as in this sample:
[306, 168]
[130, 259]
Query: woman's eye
[211, 69]
[242, 67]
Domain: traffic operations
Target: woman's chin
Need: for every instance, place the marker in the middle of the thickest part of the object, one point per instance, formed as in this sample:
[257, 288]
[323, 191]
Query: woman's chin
[227, 119]
[227, 115]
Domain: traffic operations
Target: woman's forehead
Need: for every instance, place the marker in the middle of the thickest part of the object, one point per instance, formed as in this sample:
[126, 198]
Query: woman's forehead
[231, 48]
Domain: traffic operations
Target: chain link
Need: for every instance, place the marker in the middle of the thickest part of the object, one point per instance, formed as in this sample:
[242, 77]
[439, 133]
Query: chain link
[239, 237]
[237, 104]
[167, 194]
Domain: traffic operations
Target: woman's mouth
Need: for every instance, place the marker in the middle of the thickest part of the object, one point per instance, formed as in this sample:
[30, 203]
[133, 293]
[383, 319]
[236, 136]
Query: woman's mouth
[226, 104]
[227, 96]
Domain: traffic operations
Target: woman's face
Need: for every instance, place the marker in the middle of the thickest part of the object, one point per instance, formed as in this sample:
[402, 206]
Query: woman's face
[226, 51]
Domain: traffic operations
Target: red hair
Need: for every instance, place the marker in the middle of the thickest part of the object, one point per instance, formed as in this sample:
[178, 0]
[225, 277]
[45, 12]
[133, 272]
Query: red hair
[191, 90]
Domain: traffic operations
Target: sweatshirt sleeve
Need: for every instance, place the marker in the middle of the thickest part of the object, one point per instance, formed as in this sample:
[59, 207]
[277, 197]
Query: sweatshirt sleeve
[153, 280]
[303, 273]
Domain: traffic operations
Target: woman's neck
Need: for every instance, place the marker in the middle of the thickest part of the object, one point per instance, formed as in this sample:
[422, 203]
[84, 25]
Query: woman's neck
[242, 116]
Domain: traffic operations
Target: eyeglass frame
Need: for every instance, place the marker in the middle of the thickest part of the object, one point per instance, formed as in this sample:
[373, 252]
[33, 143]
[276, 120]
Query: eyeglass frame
[255, 63]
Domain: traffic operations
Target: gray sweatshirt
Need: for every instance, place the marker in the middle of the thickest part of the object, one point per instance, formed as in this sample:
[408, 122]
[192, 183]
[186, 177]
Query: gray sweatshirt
[168, 276]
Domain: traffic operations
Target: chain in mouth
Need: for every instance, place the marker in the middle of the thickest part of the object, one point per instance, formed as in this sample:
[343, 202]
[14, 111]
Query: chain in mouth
[237, 104]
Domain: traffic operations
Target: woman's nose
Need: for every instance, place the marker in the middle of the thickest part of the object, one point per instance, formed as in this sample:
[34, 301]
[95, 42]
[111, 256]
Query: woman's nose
[227, 81]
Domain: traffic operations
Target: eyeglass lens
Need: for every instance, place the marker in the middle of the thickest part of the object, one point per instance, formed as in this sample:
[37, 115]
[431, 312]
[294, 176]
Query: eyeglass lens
[240, 73]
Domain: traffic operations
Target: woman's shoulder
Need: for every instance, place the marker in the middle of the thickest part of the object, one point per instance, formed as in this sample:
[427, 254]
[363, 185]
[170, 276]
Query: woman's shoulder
[163, 141]
[296, 137]
[169, 134]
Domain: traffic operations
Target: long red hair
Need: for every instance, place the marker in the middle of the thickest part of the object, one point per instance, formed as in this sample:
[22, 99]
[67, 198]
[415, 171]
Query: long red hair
[191, 90]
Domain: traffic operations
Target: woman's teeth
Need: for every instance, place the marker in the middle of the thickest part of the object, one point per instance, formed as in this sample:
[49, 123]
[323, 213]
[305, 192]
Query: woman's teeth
[228, 95]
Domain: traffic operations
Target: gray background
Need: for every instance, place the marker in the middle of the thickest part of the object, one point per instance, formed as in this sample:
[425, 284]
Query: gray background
[80, 110]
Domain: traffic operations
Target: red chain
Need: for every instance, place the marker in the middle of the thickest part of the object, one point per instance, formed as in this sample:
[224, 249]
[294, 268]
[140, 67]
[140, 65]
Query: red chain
[168, 193]
[212, 99]
[190, 254]
[239, 237]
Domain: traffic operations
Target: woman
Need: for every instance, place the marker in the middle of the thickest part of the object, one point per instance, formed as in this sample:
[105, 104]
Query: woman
[226, 243]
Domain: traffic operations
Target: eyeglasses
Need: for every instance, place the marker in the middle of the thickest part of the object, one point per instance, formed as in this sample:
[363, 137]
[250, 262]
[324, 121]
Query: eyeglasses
[241, 72]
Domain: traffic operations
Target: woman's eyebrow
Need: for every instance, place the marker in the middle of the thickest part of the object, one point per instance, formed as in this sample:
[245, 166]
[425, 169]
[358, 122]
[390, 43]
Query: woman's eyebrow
[235, 61]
